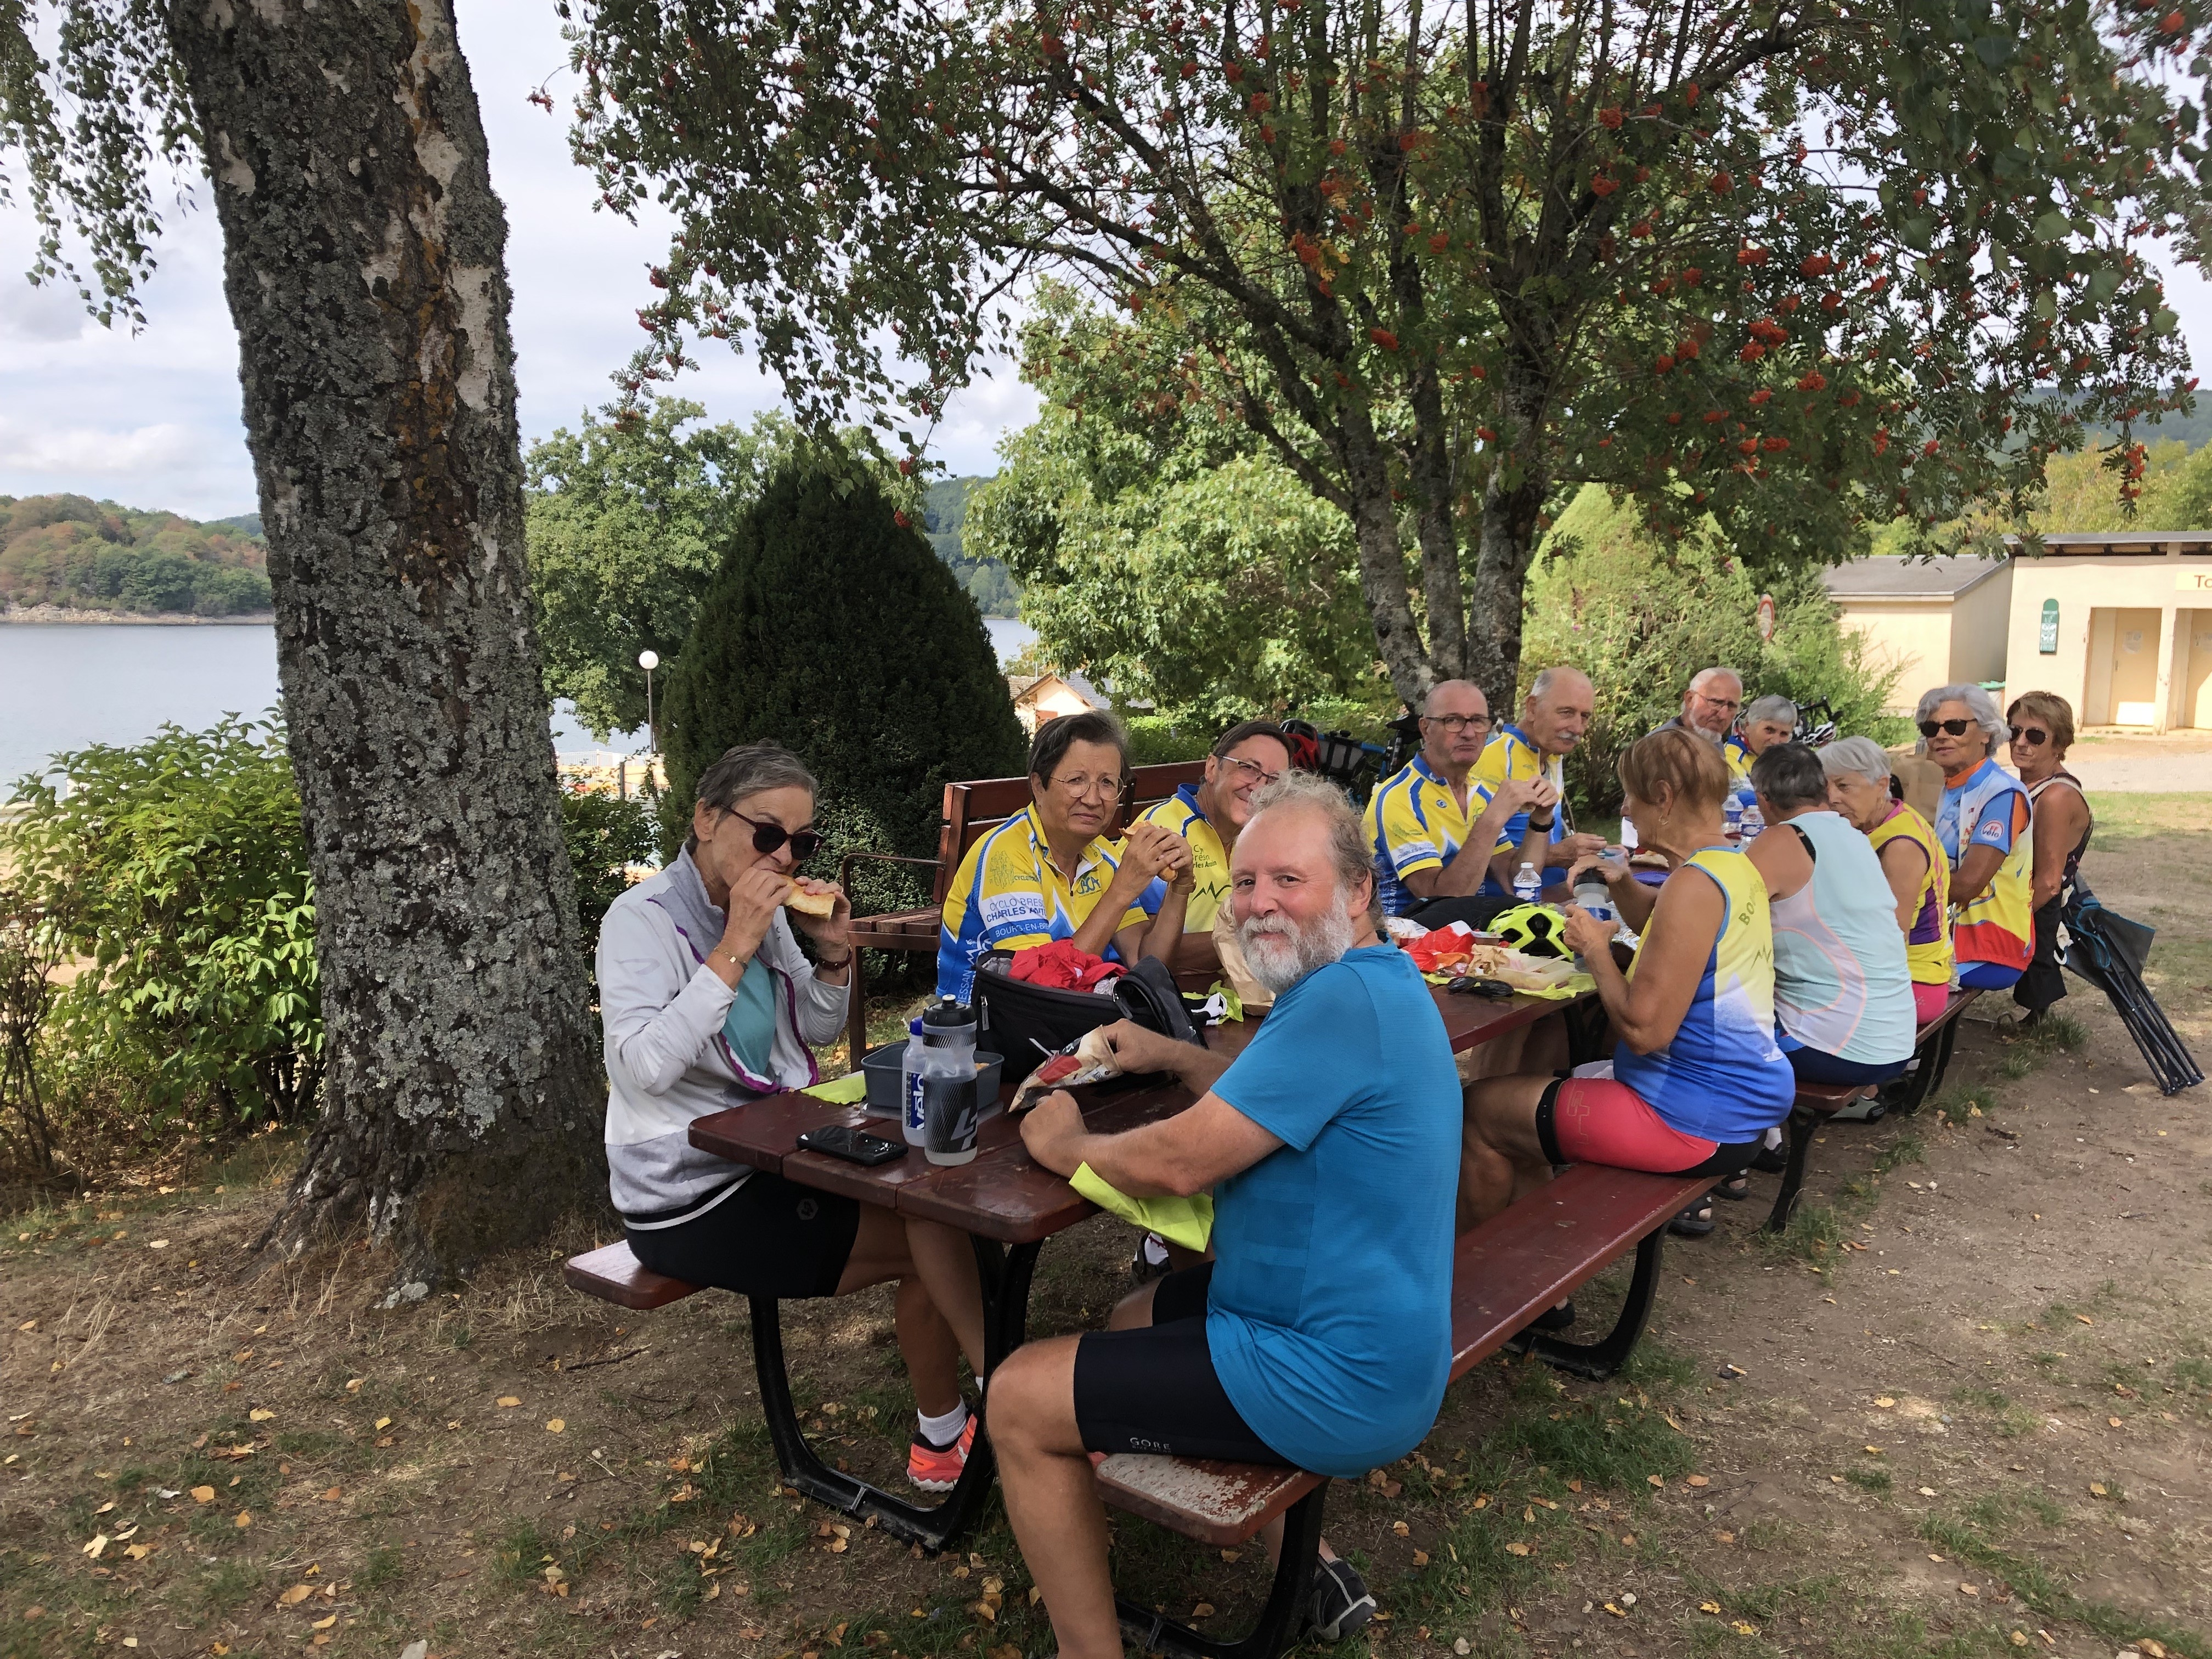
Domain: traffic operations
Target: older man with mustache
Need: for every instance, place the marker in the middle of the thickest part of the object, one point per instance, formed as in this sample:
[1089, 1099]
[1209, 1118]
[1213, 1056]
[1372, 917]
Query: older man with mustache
[1321, 1337]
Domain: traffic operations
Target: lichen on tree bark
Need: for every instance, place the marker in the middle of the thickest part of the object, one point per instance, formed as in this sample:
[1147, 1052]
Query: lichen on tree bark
[364, 266]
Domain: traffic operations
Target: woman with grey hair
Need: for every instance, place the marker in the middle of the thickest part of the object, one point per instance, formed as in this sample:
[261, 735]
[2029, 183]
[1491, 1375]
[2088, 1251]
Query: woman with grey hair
[706, 1001]
[1981, 823]
[1768, 721]
[1913, 862]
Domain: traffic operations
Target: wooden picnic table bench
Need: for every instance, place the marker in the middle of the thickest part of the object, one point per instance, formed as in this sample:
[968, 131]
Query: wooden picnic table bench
[1505, 1271]
[1816, 1102]
[972, 810]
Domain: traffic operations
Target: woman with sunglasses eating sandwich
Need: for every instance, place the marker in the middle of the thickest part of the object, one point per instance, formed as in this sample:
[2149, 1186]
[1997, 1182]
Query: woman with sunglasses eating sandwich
[706, 1001]
[1981, 823]
[2042, 731]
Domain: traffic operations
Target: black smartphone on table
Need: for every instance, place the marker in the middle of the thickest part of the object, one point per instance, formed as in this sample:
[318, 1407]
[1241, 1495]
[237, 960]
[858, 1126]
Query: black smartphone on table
[853, 1145]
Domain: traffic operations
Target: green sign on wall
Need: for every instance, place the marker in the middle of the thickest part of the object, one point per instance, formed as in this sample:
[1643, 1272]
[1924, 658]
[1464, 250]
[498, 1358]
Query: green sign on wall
[2047, 639]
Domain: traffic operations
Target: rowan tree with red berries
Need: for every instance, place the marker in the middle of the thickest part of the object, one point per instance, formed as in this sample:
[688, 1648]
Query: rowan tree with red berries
[1788, 269]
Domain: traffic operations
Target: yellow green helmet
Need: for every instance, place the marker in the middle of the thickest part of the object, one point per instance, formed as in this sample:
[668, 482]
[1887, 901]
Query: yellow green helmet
[1532, 929]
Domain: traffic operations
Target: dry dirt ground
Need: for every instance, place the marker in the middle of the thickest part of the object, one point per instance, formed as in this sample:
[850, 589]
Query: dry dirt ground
[1967, 1409]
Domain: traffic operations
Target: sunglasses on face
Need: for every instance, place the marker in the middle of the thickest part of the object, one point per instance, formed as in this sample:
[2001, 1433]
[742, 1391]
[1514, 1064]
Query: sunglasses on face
[767, 837]
[1956, 728]
[2030, 736]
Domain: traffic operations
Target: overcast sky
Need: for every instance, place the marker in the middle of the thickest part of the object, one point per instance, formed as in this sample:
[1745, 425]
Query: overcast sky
[152, 421]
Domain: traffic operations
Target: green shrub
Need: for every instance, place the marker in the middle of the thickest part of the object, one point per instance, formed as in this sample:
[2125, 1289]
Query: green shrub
[603, 834]
[1158, 740]
[1640, 619]
[833, 629]
[178, 870]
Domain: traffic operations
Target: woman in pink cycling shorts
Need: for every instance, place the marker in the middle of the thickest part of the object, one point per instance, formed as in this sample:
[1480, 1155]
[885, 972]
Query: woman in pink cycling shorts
[1696, 1077]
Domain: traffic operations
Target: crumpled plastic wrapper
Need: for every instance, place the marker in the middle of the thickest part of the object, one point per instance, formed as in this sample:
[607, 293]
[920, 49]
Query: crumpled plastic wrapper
[1087, 1060]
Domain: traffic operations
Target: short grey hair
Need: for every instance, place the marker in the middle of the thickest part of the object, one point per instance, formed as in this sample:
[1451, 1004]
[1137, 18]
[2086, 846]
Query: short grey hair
[1862, 756]
[1545, 678]
[1704, 674]
[1782, 710]
[1979, 703]
[750, 769]
[1347, 837]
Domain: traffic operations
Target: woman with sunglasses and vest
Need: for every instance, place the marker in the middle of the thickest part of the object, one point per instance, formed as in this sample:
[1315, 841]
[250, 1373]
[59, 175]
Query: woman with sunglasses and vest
[2042, 731]
[706, 1001]
[1982, 823]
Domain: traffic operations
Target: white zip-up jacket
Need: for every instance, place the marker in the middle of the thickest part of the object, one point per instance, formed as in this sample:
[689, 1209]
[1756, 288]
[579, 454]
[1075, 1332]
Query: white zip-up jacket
[661, 1009]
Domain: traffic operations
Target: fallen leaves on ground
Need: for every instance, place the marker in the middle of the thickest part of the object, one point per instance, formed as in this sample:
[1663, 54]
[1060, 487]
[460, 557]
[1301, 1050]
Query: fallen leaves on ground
[294, 1596]
[202, 1494]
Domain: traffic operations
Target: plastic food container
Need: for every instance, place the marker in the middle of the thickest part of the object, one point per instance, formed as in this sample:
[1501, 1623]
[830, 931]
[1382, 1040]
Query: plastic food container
[882, 1067]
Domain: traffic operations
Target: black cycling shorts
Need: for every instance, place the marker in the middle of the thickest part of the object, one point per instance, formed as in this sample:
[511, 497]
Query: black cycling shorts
[1154, 1388]
[770, 1237]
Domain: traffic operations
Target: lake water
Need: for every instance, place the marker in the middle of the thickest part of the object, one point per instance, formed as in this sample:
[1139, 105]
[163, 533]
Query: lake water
[68, 684]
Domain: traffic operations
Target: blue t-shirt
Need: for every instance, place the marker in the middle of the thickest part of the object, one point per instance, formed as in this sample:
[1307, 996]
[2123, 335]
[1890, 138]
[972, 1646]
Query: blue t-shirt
[1329, 1318]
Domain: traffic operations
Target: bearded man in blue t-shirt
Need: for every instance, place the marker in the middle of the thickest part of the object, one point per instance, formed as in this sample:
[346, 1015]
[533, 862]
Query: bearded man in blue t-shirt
[1321, 1336]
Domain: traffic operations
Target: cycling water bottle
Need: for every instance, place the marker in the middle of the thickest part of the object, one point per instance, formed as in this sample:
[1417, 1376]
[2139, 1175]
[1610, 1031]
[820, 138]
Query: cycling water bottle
[911, 1065]
[1527, 884]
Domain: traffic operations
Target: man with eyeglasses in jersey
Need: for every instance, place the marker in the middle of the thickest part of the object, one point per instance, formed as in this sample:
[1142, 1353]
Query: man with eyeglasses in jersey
[1558, 710]
[1210, 813]
[1424, 816]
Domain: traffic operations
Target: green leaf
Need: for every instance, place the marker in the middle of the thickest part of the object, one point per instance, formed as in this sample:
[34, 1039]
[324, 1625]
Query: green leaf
[2052, 227]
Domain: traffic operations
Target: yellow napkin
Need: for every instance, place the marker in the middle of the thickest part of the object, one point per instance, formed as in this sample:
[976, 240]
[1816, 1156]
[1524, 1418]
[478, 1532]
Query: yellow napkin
[847, 1091]
[1185, 1221]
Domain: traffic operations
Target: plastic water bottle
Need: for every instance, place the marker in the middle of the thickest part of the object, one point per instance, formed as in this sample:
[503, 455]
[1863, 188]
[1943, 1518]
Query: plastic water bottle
[1593, 897]
[910, 1083]
[1732, 816]
[1755, 821]
[1527, 884]
[947, 1081]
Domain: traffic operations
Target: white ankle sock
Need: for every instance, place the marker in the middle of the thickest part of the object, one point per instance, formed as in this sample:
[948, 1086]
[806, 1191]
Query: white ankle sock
[943, 1432]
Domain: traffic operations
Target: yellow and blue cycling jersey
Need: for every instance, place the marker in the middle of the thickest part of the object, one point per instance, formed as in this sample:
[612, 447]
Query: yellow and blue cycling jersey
[1209, 859]
[1415, 823]
[1009, 895]
[1737, 753]
[1509, 756]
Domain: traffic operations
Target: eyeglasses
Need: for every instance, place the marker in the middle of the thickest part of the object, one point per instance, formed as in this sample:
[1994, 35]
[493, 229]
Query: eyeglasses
[1244, 771]
[1729, 703]
[767, 837]
[2030, 736]
[1956, 728]
[1455, 723]
[1083, 788]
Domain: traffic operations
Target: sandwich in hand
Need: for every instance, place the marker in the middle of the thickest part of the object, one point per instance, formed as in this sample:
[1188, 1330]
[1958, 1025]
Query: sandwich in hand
[811, 904]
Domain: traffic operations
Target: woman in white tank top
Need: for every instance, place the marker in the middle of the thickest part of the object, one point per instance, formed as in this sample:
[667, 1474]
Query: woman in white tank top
[1842, 993]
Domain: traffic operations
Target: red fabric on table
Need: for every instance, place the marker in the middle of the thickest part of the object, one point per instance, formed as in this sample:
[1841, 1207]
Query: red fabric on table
[1060, 966]
[1443, 950]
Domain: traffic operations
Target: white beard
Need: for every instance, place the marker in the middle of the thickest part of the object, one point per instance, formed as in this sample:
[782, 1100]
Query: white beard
[1281, 952]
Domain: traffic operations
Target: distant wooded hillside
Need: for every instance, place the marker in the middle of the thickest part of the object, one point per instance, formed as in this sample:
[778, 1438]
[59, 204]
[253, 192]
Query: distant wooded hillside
[84, 554]
[988, 582]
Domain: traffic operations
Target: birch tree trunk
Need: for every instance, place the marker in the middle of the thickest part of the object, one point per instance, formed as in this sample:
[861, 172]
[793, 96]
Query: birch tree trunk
[363, 260]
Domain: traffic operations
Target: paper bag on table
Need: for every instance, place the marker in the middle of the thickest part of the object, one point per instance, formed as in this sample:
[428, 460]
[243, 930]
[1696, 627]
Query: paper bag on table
[1234, 968]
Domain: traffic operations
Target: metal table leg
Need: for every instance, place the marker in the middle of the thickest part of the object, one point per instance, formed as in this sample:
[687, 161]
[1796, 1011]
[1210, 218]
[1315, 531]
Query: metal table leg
[1793, 1178]
[1280, 1620]
[935, 1526]
[1598, 1360]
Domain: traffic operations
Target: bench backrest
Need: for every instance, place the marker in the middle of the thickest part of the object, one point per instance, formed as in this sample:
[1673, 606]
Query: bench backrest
[973, 810]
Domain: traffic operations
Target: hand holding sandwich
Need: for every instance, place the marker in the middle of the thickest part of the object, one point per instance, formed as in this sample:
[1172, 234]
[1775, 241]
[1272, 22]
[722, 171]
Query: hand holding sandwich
[819, 908]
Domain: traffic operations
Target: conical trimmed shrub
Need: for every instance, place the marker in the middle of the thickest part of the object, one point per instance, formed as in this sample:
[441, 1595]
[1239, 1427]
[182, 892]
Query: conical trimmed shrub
[837, 632]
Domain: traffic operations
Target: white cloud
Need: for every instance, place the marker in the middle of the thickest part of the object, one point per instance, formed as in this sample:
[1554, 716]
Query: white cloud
[39, 314]
[73, 452]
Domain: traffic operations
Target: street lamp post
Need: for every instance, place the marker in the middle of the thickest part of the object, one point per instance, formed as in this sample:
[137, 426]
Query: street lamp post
[649, 660]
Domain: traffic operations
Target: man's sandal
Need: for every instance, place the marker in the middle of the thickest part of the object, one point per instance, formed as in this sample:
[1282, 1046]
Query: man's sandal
[1339, 1603]
[1735, 1189]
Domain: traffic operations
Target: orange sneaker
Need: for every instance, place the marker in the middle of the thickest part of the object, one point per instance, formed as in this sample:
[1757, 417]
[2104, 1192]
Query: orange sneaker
[939, 1471]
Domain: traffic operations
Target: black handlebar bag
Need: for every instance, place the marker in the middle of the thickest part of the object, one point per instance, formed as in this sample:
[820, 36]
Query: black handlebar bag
[1026, 1021]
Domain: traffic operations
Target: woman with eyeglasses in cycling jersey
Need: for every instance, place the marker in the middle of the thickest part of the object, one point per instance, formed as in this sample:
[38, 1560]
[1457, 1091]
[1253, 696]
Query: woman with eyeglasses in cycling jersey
[1982, 823]
[706, 1000]
[2042, 731]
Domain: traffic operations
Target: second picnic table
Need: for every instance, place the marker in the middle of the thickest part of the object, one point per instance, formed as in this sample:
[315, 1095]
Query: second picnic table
[1003, 1201]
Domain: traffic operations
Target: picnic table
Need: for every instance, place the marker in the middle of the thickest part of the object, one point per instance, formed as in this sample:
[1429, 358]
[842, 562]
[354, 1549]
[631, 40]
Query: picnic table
[1007, 1203]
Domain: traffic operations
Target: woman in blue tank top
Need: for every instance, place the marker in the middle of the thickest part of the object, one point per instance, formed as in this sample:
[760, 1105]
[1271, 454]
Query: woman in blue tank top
[1695, 1079]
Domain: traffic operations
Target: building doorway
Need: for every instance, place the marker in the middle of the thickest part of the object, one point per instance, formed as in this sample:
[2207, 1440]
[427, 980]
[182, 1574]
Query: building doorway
[2123, 688]
[2194, 634]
